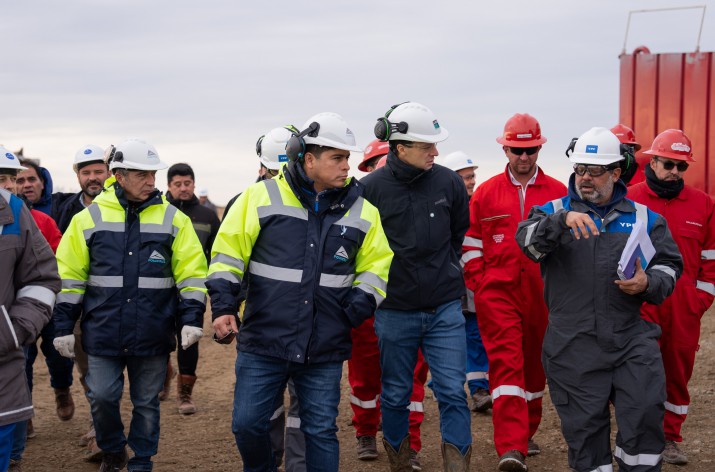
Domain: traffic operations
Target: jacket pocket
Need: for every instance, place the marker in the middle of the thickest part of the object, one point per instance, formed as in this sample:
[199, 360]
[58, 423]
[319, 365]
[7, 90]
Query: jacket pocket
[8, 337]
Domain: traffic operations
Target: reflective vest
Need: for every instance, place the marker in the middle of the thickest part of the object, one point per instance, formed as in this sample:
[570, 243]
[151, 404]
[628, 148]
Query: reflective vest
[130, 272]
[310, 276]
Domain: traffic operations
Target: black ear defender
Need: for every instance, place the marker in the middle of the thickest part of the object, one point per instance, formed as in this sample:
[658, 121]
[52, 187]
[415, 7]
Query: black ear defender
[628, 165]
[295, 147]
[384, 127]
[571, 147]
[258, 145]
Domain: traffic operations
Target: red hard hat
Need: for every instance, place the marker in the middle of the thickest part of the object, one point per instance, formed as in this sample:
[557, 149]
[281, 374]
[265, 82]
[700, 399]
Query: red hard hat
[521, 130]
[625, 135]
[375, 149]
[672, 144]
[381, 162]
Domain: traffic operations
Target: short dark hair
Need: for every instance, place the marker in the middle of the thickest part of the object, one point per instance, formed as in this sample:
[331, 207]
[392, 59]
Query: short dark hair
[393, 145]
[315, 149]
[180, 169]
[33, 165]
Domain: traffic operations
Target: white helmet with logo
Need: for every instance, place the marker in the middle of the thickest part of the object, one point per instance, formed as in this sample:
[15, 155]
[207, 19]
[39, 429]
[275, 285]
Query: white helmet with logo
[89, 154]
[410, 121]
[271, 147]
[8, 160]
[136, 154]
[458, 160]
[333, 132]
[597, 146]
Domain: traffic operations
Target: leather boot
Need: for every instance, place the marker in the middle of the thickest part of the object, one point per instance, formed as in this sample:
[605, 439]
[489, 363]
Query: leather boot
[399, 460]
[183, 395]
[170, 373]
[65, 404]
[453, 460]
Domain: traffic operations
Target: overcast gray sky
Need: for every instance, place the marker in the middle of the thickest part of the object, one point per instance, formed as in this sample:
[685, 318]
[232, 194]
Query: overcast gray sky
[203, 80]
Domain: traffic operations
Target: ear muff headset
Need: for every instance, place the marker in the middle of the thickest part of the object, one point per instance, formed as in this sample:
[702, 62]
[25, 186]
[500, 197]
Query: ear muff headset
[628, 164]
[384, 127]
[295, 147]
[259, 150]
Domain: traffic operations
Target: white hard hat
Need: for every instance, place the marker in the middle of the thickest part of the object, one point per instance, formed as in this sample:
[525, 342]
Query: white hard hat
[136, 154]
[8, 160]
[458, 160]
[333, 132]
[203, 192]
[410, 121]
[271, 147]
[597, 146]
[88, 154]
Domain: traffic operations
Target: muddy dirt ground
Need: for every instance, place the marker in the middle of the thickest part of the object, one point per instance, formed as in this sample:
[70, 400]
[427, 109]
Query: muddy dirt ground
[203, 442]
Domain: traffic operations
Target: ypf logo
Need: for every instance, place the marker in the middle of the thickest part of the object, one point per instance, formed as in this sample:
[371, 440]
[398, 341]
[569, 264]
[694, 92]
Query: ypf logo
[10, 156]
[591, 149]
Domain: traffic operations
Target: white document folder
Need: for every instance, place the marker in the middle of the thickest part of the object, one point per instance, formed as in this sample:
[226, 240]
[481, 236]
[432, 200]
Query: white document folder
[638, 245]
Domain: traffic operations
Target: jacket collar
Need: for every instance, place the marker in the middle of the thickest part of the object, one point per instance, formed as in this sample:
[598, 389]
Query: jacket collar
[303, 187]
[403, 171]
[182, 204]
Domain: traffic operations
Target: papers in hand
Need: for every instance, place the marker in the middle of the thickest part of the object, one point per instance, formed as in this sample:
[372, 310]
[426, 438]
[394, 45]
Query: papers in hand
[638, 245]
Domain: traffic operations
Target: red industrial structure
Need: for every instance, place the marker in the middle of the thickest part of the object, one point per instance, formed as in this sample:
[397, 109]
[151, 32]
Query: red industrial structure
[672, 90]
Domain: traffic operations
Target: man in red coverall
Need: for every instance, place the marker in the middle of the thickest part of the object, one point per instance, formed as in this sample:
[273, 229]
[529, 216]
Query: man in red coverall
[508, 289]
[364, 373]
[690, 214]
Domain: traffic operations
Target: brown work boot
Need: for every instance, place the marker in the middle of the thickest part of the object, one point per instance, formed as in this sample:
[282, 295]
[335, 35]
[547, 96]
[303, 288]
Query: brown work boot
[512, 461]
[114, 461]
[532, 449]
[366, 448]
[453, 460]
[15, 465]
[399, 460]
[415, 460]
[673, 455]
[170, 374]
[185, 384]
[65, 404]
[481, 400]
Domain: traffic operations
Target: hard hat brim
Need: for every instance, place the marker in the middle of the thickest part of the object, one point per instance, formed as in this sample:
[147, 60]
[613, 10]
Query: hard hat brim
[421, 138]
[131, 166]
[669, 155]
[521, 144]
[595, 159]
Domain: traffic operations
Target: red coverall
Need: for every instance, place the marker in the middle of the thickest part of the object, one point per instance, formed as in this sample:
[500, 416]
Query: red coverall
[364, 376]
[509, 299]
[691, 220]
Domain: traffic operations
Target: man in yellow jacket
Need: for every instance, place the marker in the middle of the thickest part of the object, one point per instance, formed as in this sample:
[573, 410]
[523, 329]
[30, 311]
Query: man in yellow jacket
[130, 263]
[316, 260]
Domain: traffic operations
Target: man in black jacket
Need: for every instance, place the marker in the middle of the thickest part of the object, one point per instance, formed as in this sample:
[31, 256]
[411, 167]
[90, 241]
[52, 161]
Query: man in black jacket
[425, 213]
[206, 224]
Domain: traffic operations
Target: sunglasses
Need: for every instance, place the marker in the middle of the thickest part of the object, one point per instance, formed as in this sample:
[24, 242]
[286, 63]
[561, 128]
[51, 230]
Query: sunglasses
[422, 147]
[593, 170]
[519, 151]
[668, 165]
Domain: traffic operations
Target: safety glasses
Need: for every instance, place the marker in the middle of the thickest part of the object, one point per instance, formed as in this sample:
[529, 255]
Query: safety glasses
[519, 151]
[668, 165]
[593, 170]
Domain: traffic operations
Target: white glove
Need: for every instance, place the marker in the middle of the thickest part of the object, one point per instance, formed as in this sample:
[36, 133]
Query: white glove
[190, 335]
[65, 345]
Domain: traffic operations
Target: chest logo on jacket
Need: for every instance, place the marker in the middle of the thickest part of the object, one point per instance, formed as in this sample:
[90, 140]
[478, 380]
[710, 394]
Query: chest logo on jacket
[498, 238]
[341, 255]
[157, 258]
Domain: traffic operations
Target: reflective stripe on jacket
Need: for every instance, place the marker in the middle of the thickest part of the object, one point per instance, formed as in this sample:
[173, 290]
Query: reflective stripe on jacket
[130, 270]
[311, 276]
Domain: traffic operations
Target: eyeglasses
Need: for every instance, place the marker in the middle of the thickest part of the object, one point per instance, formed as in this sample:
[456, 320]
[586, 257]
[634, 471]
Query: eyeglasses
[593, 170]
[668, 165]
[272, 172]
[519, 151]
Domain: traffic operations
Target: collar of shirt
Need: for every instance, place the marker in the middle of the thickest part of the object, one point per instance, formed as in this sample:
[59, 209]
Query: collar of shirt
[516, 182]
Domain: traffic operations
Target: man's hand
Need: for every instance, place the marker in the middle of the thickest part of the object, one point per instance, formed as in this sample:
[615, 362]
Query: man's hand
[65, 345]
[581, 224]
[190, 335]
[638, 284]
[225, 328]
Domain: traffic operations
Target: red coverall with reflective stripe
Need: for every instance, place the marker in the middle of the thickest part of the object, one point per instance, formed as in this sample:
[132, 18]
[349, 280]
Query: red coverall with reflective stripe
[364, 375]
[509, 299]
[691, 220]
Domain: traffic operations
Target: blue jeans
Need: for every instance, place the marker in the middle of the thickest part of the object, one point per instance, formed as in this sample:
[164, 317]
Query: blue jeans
[477, 362]
[6, 444]
[106, 383]
[260, 380]
[440, 334]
